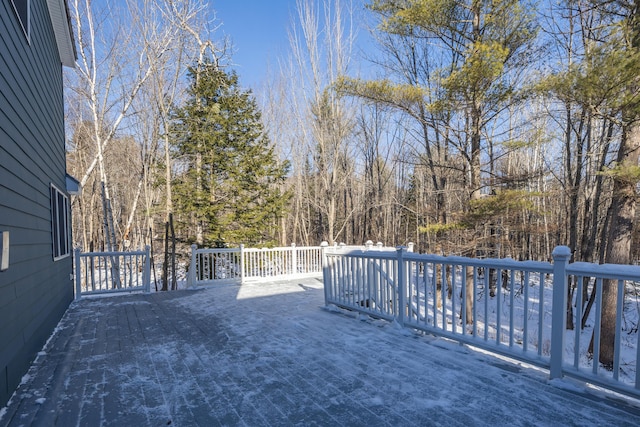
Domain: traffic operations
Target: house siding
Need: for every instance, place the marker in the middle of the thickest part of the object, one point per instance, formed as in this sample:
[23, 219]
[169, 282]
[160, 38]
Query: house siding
[35, 291]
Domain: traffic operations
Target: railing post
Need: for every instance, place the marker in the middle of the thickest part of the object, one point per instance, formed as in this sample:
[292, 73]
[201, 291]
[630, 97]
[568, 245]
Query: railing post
[147, 269]
[325, 271]
[76, 255]
[294, 259]
[191, 278]
[401, 285]
[561, 256]
[241, 263]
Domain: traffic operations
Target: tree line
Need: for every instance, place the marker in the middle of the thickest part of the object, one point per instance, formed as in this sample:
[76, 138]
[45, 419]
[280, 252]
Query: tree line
[481, 128]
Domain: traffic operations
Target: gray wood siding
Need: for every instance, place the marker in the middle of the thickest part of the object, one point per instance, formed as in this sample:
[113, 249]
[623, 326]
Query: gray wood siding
[35, 291]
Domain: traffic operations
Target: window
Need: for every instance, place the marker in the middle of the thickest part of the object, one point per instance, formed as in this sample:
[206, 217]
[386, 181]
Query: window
[59, 223]
[21, 8]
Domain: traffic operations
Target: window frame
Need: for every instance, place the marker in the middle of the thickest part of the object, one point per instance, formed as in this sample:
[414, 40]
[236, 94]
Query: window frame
[26, 26]
[60, 224]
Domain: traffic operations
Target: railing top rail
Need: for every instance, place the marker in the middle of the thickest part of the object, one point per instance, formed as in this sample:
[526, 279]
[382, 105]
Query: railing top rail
[363, 248]
[216, 250]
[605, 271]
[360, 253]
[114, 253]
[535, 266]
[280, 248]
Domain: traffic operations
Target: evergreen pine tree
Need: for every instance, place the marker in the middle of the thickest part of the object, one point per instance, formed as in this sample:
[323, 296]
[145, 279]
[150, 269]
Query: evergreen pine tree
[228, 178]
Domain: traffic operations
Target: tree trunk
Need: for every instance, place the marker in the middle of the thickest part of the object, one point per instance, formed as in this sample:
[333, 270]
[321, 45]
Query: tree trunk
[623, 204]
[165, 263]
[622, 213]
[174, 280]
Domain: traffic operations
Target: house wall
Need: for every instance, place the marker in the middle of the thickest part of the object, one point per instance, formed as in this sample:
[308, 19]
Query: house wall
[35, 290]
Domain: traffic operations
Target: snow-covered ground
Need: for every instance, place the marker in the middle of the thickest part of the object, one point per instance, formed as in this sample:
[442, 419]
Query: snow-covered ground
[271, 354]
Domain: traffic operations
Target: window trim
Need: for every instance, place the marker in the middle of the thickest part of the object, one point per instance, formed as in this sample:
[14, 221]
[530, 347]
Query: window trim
[60, 239]
[26, 27]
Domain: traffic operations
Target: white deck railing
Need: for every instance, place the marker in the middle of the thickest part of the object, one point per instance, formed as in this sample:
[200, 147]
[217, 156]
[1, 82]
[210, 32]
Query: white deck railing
[217, 265]
[110, 272]
[508, 307]
[213, 265]
[514, 308]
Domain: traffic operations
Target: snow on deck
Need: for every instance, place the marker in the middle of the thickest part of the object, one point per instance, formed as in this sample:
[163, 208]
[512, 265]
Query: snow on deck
[271, 354]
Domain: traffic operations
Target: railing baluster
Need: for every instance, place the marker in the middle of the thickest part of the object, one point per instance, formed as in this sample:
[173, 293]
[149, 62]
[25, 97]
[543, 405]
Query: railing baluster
[617, 339]
[370, 287]
[597, 327]
[511, 304]
[540, 314]
[352, 280]
[561, 255]
[434, 288]
[637, 381]
[380, 286]
[498, 306]
[342, 292]
[336, 261]
[401, 285]
[443, 296]
[130, 268]
[525, 311]
[104, 269]
[454, 292]
[577, 321]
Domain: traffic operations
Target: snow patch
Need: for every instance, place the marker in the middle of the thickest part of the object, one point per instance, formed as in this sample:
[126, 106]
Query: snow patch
[377, 401]
[362, 317]
[398, 328]
[450, 345]
[332, 308]
[566, 384]
[25, 379]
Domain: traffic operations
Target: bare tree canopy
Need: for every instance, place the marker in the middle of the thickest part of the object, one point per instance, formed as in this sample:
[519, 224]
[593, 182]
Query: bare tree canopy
[481, 128]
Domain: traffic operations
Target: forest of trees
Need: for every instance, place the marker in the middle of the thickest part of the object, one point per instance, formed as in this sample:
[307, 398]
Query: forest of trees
[471, 127]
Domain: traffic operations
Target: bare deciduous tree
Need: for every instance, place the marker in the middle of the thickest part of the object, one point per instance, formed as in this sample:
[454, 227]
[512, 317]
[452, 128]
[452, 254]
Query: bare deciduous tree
[321, 51]
[119, 91]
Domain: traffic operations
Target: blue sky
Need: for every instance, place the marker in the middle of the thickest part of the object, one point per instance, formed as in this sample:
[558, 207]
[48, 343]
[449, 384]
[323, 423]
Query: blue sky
[258, 30]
